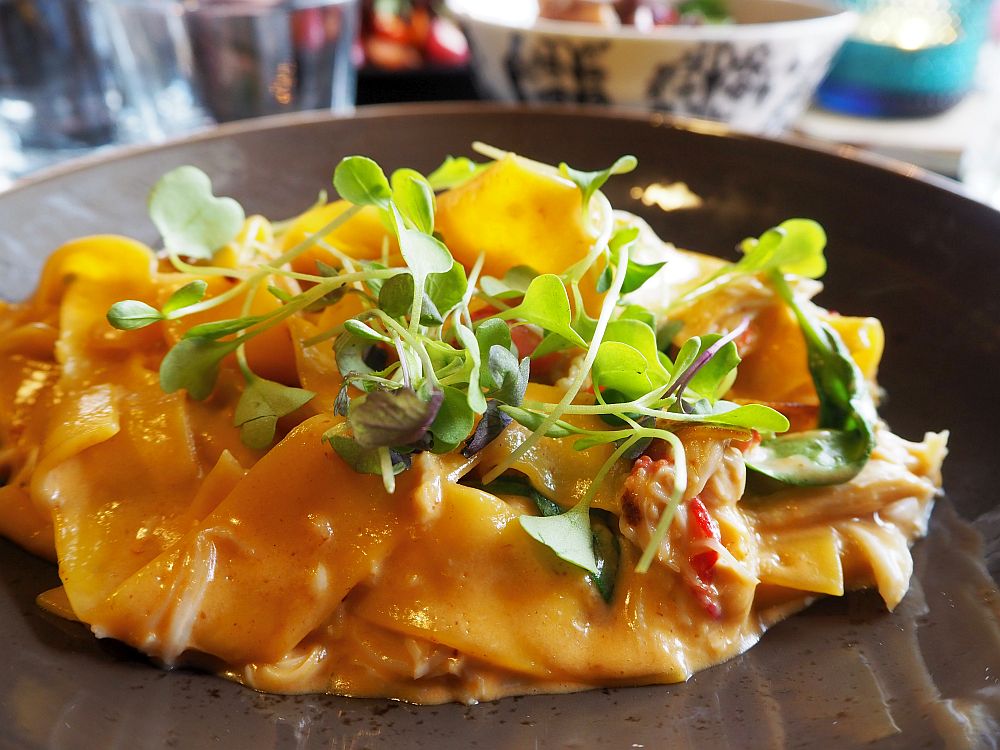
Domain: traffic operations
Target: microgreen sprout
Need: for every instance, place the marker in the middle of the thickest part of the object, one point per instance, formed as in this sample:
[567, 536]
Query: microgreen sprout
[429, 362]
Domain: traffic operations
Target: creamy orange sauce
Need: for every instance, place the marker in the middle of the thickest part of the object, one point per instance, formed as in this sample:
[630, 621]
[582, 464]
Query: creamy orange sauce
[287, 571]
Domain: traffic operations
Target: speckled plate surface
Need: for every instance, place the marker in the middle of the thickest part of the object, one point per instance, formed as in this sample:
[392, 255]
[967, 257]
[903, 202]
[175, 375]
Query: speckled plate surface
[845, 673]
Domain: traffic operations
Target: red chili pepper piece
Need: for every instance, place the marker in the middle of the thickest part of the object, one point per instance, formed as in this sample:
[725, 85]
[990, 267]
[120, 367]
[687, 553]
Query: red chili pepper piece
[703, 526]
[703, 564]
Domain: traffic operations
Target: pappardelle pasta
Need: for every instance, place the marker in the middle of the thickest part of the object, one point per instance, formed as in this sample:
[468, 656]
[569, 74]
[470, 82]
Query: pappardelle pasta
[447, 438]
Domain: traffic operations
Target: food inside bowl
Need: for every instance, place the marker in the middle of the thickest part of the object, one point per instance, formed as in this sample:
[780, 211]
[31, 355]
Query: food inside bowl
[644, 15]
[451, 437]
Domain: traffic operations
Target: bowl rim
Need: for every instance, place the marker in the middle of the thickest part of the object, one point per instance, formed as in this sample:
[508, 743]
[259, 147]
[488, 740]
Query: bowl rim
[830, 21]
[376, 111]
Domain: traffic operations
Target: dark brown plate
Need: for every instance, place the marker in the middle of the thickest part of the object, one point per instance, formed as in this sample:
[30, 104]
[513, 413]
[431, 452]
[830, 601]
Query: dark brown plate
[845, 673]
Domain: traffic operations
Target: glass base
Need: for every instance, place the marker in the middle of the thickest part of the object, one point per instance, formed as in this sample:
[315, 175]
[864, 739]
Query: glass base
[867, 102]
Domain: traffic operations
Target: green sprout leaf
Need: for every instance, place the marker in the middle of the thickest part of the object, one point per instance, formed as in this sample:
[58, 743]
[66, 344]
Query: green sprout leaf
[477, 402]
[260, 406]
[454, 172]
[533, 421]
[490, 333]
[362, 460]
[131, 314]
[220, 328]
[794, 246]
[395, 298]
[636, 274]
[454, 421]
[747, 416]
[424, 255]
[842, 445]
[810, 458]
[364, 331]
[513, 284]
[509, 376]
[628, 361]
[640, 313]
[361, 181]
[350, 352]
[187, 295]
[716, 376]
[568, 535]
[414, 198]
[191, 220]
[193, 364]
[446, 290]
[546, 305]
[590, 182]
[604, 542]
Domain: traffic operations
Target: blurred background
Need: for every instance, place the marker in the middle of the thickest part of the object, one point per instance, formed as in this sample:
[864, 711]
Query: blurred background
[914, 79]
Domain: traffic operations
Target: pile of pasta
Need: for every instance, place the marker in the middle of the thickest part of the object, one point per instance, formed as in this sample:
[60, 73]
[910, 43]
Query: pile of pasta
[285, 569]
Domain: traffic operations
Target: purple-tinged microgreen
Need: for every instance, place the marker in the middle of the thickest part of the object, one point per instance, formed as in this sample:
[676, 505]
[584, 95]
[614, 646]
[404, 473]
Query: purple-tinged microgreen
[260, 406]
[391, 418]
[191, 220]
[546, 305]
[342, 403]
[130, 314]
[454, 172]
[707, 364]
[491, 424]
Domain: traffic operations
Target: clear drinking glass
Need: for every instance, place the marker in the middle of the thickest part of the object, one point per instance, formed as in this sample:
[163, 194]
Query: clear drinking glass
[60, 91]
[220, 60]
[77, 75]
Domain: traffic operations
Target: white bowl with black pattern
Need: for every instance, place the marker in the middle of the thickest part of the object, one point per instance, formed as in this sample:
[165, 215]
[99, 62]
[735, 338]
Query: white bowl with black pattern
[756, 74]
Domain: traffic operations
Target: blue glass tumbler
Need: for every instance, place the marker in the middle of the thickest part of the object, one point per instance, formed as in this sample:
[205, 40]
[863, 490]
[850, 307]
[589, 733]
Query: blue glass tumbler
[907, 58]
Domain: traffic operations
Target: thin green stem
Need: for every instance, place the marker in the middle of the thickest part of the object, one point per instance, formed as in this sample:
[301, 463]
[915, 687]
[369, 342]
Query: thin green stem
[584, 371]
[680, 487]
